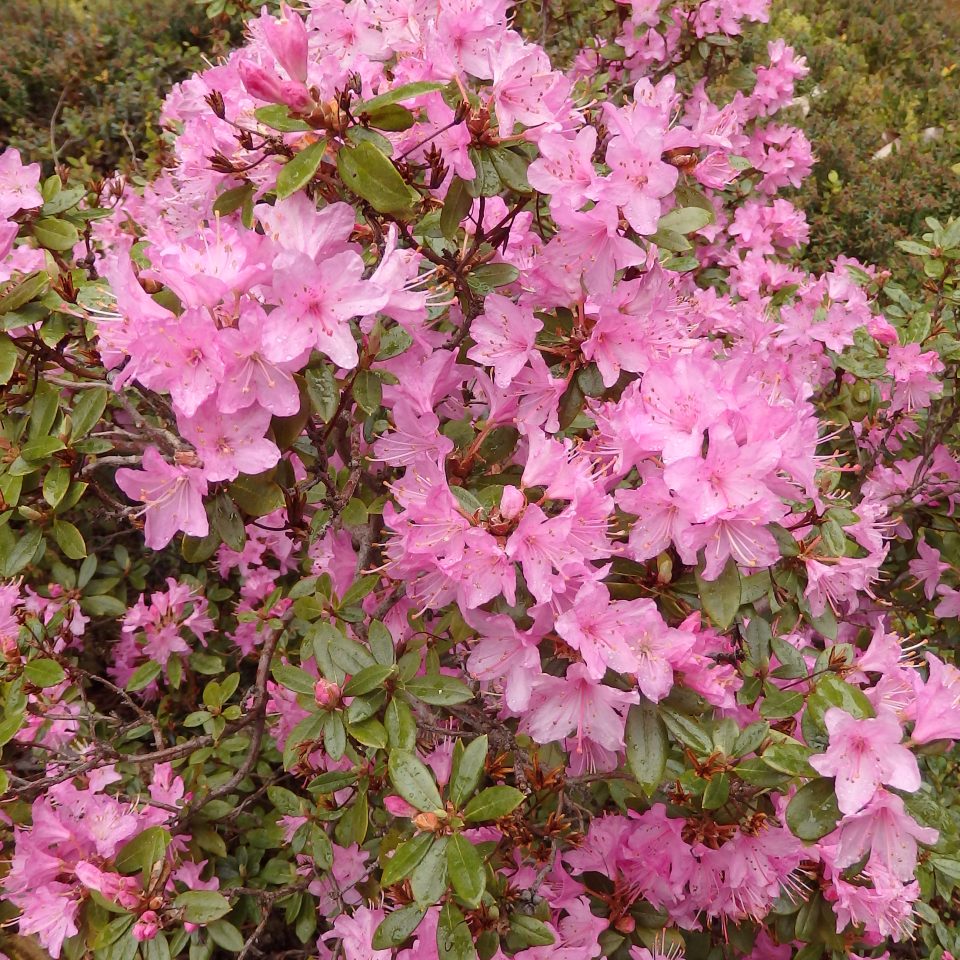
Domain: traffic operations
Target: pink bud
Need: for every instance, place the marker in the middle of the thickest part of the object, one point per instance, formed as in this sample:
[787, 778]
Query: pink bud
[880, 329]
[147, 927]
[327, 694]
[287, 38]
[296, 96]
[260, 83]
[399, 807]
[512, 502]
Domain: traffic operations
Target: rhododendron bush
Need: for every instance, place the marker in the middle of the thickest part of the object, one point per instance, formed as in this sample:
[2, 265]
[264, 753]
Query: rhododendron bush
[440, 519]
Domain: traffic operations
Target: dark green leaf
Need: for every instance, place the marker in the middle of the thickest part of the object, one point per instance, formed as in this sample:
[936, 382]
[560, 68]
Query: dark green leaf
[405, 858]
[454, 940]
[647, 745]
[466, 773]
[69, 539]
[397, 927]
[54, 234]
[86, 412]
[455, 207]
[371, 175]
[721, 597]
[44, 673]
[368, 391]
[299, 171]
[414, 781]
[439, 690]
[813, 811]
[202, 906]
[293, 678]
[144, 675]
[143, 851]
[492, 803]
[405, 92]
[467, 872]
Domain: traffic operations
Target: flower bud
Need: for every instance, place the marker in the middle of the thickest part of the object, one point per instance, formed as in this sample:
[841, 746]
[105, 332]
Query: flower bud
[260, 83]
[326, 694]
[147, 927]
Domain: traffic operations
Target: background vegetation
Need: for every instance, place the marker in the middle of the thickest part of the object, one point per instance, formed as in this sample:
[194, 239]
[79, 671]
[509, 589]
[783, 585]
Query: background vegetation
[882, 72]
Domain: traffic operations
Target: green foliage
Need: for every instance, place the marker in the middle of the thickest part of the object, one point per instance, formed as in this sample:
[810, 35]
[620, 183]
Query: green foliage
[94, 72]
[880, 71]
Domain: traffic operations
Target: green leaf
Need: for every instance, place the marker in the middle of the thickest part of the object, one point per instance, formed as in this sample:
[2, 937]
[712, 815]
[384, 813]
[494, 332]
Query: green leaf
[257, 496]
[428, 882]
[454, 940]
[531, 931]
[831, 691]
[370, 678]
[277, 117]
[489, 276]
[467, 872]
[228, 523]
[392, 117]
[323, 391]
[414, 781]
[370, 175]
[400, 725]
[143, 851]
[439, 690]
[512, 169]
[492, 803]
[368, 391]
[299, 171]
[396, 927]
[395, 341]
[684, 220]
[721, 597]
[42, 448]
[405, 92]
[232, 200]
[647, 745]
[202, 906]
[455, 207]
[293, 678]
[717, 792]
[54, 234]
[405, 858]
[86, 412]
[144, 675]
[23, 552]
[69, 539]
[21, 293]
[487, 181]
[467, 770]
[8, 358]
[688, 731]
[226, 936]
[44, 673]
[813, 811]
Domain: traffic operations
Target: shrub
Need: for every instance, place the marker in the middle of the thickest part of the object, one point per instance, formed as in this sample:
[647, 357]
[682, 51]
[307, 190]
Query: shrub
[442, 518]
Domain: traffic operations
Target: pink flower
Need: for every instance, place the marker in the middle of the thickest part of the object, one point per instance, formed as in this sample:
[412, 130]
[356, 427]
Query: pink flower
[864, 754]
[172, 498]
[504, 335]
[885, 830]
[937, 710]
[560, 706]
[927, 568]
[18, 184]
